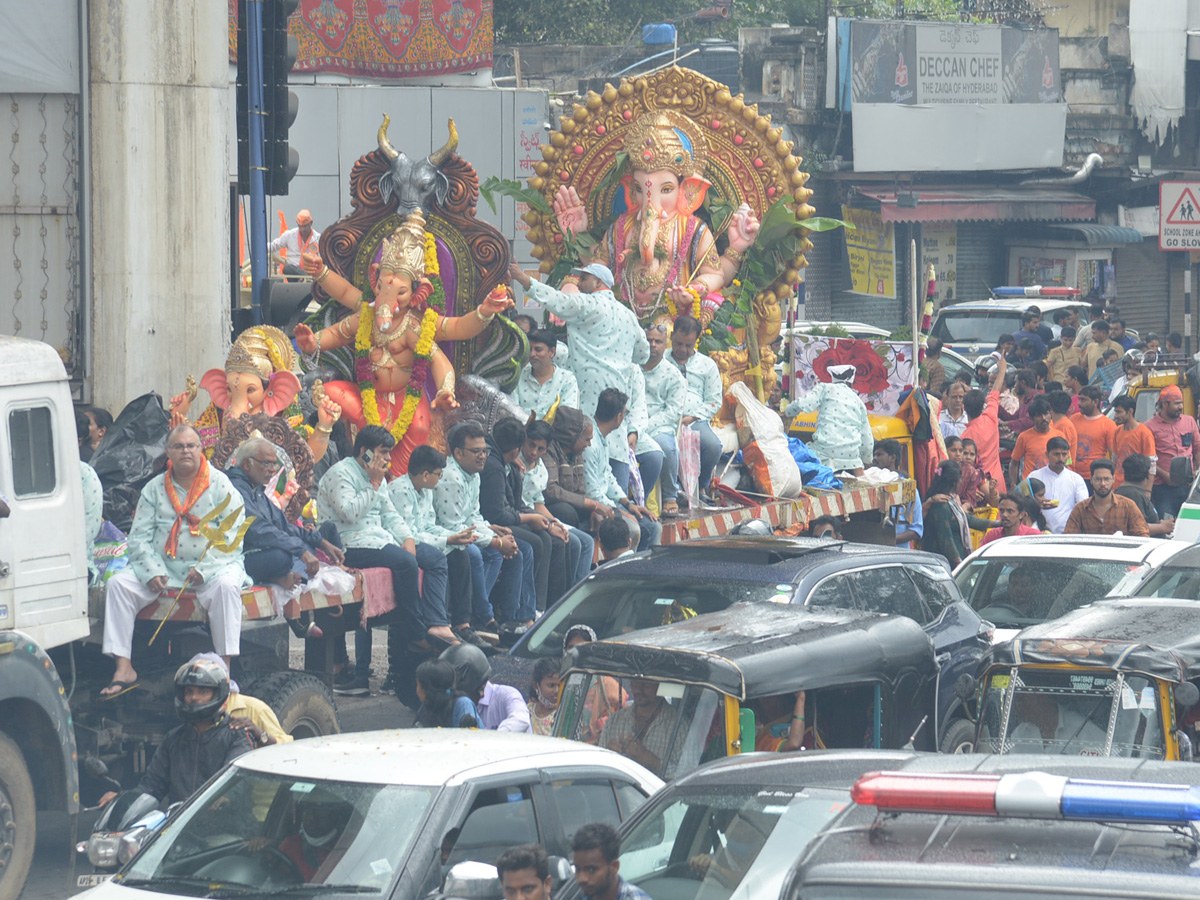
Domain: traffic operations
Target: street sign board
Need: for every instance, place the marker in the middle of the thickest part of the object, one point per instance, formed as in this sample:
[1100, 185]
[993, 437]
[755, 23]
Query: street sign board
[1179, 215]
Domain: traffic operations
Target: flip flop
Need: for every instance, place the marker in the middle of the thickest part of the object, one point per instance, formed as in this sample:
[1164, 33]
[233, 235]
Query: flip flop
[671, 509]
[125, 686]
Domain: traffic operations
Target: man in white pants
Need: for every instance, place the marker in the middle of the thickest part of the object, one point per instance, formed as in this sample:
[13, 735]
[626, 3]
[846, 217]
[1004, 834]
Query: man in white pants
[164, 555]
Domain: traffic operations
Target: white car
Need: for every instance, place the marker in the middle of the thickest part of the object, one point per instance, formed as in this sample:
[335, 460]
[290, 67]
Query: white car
[384, 813]
[1055, 573]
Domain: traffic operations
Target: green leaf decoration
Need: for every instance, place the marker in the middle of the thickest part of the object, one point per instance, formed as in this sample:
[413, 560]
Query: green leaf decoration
[825, 223]
[510, 187]
[613, 176]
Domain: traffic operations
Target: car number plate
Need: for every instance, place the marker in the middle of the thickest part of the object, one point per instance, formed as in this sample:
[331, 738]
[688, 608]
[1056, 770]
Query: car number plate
[92, 880]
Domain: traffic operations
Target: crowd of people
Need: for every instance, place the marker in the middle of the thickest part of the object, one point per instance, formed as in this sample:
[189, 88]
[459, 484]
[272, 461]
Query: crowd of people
[1037, 440]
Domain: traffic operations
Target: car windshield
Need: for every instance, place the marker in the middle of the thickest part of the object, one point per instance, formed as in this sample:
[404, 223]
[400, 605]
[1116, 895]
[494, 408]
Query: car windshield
[1069, 712]
[1014, 592]
[272, 833]
[1169, 581]
[668, 728]
[725, 843]
[979, 327]
[614, 605]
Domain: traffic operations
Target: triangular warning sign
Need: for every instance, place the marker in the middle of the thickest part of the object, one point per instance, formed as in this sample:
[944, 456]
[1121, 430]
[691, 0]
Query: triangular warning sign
[1186, 210]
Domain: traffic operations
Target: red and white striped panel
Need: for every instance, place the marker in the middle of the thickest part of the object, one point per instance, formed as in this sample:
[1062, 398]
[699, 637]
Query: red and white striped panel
[780, 513]
[256, 604]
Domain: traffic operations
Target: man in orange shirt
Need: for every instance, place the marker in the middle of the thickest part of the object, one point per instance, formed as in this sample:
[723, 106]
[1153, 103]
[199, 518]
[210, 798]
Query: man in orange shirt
[1095, 431]
[1060, 421]
[1131, 435]
[1029, 454]
[983, 426]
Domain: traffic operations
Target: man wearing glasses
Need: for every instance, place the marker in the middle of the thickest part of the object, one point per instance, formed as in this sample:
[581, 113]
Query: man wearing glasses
[165, 549]
[276, 551]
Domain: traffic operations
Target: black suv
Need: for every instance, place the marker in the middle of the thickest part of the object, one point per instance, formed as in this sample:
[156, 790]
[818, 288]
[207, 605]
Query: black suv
[656, 587]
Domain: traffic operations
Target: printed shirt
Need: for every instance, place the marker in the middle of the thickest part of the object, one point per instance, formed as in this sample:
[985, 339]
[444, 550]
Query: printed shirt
[1127, 442]
[704, 391]
[416, 508]
[538, 398]
[951, 426]
[598, 479]
[605, 337]
[1068, 488]
[1124, 516]
[533, 486]
[1095, 441]
[153, 520]
[93, 514]
[364, 514]
[1172, 439]
[666, 394]
[456, 502]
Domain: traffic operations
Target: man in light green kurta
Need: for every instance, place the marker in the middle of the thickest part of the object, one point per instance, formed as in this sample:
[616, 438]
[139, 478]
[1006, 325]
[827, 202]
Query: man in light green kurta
[93, 516]
[165, 550]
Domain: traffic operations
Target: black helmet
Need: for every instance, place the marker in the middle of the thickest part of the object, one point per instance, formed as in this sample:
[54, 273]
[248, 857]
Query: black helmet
[471, 667]
[201, 673]
[322, 817]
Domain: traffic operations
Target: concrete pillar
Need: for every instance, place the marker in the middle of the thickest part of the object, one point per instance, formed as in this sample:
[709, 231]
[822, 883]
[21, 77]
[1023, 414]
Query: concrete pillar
[159, 76]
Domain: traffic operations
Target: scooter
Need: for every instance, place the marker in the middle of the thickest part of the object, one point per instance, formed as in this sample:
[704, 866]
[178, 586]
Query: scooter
[123, 827]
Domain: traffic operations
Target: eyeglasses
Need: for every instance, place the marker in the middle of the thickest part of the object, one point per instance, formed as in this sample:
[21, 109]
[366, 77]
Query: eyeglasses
[264, 462]
[184, 447]
[659, 326]
[482, 451]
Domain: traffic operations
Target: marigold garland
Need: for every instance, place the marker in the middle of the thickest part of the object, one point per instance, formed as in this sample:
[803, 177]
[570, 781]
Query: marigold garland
[416, 381]
[674, 311]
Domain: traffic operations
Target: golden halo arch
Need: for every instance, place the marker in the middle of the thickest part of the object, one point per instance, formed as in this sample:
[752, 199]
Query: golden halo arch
[747, 159]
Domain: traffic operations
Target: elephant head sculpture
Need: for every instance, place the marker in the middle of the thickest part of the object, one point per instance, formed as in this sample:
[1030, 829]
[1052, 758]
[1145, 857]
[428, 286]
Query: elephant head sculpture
[417, 184]
[257, 376]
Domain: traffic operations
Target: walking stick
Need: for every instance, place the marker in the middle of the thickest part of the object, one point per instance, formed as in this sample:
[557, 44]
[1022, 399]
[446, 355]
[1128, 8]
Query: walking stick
[216, 537]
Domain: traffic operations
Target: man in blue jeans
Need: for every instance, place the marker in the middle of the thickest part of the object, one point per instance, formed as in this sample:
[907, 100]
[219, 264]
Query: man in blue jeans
[704, 393]
[353, 495]
[666, 394]
[505, 576]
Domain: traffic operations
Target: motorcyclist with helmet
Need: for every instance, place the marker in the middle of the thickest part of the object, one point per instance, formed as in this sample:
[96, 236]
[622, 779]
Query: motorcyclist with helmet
[501, 707]
[194, 751]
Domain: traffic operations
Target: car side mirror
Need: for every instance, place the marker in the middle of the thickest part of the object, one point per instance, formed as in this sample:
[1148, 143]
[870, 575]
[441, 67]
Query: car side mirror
[964, 687]
[1187, 695]
[561, 872]
[472, 881]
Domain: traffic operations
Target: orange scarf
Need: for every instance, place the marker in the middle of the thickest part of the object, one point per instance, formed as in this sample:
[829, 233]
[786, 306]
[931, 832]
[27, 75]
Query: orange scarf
[199, 486]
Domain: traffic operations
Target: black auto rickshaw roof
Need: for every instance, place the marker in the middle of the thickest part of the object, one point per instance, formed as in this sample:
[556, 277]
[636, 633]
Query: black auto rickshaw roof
[756, 649]
[1159, 637]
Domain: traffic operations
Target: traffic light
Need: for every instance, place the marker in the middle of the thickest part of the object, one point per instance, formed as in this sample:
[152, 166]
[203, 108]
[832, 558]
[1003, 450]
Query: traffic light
[279, 103]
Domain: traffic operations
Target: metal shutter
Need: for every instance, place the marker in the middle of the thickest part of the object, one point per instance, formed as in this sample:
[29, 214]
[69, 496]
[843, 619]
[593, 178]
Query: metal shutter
[982, 261]
[1142, 292]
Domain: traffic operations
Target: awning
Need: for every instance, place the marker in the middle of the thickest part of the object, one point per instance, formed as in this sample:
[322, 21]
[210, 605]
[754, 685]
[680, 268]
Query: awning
[1104, 235]
[981, 204]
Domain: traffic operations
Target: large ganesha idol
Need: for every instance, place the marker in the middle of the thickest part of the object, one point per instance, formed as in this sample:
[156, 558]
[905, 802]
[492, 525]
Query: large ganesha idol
[394, 279]
[693, 157]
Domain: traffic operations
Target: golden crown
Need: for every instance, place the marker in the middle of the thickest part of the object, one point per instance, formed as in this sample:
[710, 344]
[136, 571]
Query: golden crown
[404, 251]
[261, 351]
[665, 141]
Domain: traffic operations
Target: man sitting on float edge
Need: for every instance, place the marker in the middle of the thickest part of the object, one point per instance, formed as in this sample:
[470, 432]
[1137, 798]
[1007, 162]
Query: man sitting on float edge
[193, 752]
[276, 550]
[165, 550]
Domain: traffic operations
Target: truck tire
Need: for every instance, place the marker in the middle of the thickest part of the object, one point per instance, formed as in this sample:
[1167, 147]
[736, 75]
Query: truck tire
[959, 737]
[303, 703]
[18, 820]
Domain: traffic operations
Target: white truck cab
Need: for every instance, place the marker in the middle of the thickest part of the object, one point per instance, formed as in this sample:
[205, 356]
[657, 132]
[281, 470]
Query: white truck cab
[43, 570]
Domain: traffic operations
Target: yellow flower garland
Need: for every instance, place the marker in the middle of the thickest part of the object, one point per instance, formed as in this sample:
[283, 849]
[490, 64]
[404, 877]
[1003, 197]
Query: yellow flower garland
[673, 310]
[412, 398]
[431, 260]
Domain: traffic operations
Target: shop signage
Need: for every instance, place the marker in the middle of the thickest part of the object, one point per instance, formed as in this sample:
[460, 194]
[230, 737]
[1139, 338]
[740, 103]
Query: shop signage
[871, 250]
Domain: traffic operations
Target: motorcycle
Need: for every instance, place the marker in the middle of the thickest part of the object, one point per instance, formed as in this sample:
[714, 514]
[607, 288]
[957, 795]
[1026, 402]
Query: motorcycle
[122, 828]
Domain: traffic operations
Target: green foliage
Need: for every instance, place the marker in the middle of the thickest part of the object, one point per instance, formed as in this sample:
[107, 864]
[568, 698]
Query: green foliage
[831, 331]
[510, 187]
[903, 333]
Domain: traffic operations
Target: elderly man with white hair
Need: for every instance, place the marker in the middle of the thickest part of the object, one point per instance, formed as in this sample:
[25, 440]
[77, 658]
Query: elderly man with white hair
[276, 551]
[842, 437]
[167, 552]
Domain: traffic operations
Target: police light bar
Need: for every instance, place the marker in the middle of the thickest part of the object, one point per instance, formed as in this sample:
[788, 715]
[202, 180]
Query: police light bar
[1031, 795]
[1036, 290]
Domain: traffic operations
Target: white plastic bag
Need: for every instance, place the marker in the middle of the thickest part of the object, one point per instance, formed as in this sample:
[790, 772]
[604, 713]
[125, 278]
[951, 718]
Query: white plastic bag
[764, 446]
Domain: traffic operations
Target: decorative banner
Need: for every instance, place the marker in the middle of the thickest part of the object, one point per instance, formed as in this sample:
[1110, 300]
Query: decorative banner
[883, 369]
[388, 38]
[870, 248]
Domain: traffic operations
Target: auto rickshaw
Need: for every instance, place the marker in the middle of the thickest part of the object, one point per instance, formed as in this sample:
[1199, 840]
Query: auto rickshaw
[1115, 678]
[719, 684]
